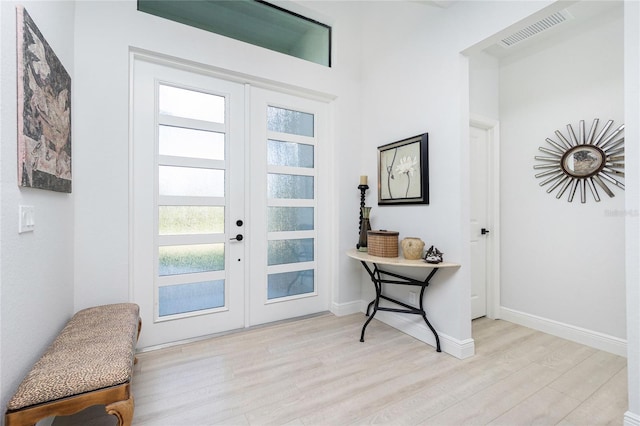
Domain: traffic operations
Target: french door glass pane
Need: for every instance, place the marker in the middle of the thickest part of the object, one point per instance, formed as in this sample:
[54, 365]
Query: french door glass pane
[289, 219]
[289, 251]
[191, 104]
[183, 298]
[187, 259]
[291, 215]
[183, 220]
[289, 186]
[183, 142]
[290, 154]
[290, 284]
[289, 121]
[190, 181]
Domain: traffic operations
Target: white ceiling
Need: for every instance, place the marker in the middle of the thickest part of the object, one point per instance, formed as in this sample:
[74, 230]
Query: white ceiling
[580, 15]
[438, 3]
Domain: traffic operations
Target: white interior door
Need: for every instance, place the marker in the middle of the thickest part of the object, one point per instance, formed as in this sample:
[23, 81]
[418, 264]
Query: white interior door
[479, 157]
[187, 162]
[288, 147]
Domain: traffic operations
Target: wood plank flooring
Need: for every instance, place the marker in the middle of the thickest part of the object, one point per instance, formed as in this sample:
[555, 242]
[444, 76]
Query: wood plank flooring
[315, 371]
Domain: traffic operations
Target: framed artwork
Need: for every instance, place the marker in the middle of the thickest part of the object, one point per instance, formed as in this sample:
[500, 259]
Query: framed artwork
[44, 111]
[403, 171]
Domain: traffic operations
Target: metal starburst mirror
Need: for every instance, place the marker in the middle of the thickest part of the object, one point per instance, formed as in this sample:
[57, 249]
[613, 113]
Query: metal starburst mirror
[594, 160]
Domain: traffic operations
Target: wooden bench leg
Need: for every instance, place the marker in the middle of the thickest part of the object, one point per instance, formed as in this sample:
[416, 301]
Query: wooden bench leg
[135, 358]
[123, 410]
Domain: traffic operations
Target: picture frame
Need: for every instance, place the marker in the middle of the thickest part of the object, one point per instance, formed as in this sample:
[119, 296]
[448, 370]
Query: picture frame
[403, 171]
[44, 111]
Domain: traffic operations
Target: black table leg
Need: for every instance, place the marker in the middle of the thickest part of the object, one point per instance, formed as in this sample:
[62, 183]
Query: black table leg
[377, 280]
[424, 317]
[369, 306]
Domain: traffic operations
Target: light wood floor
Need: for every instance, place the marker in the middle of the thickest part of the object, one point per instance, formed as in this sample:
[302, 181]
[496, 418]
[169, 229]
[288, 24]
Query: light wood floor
[315, 371]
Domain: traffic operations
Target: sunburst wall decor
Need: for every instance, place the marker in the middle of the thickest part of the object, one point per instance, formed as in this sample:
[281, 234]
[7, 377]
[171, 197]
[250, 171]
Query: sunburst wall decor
[594, 160]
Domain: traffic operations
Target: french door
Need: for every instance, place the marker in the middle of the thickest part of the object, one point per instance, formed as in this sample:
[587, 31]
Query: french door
[287, 137]
[187, 155]
[224, 204]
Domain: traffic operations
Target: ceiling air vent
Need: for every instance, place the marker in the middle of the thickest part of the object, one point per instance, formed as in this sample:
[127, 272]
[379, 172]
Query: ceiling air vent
[540, 26]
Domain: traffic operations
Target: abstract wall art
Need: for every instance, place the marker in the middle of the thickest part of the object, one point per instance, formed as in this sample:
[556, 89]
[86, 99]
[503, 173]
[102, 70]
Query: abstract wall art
[44, 111]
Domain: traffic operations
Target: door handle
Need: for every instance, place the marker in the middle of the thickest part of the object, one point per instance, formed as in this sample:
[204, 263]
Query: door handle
[484, 231]
[238, 237]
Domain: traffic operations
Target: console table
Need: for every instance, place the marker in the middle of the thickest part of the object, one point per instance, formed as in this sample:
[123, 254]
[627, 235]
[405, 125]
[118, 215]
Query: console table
[378, 280]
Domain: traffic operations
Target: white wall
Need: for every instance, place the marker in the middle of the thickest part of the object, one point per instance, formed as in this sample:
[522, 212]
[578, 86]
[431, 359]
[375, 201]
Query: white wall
[484, 86]
[632, 254]
[102, 117]
[417, 81]
[36, 269]
[426, 96]
[562, 261]
[411, 78]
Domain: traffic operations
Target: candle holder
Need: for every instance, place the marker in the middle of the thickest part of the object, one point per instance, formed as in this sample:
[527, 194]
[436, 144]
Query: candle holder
[365, 227]
[363, 188]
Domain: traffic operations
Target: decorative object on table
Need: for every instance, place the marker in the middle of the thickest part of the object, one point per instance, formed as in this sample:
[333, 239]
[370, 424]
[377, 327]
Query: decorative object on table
[363, 188]
[44, 111]
[412, 248]
[365, 227]
[433, 255]
[403, 171]
[584, 161]
[383, 243]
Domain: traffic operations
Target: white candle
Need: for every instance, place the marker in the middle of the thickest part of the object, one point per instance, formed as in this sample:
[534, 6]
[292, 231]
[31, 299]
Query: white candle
[363, 180]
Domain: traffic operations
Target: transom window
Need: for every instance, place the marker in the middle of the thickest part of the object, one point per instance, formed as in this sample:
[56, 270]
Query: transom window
[252, 21]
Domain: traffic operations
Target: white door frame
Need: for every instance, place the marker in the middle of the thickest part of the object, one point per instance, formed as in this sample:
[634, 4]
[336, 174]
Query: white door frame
[493, 203]
[328, 220]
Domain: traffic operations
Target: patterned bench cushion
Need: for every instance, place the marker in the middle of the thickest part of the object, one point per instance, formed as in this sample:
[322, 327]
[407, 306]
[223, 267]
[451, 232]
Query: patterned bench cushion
[95, 350]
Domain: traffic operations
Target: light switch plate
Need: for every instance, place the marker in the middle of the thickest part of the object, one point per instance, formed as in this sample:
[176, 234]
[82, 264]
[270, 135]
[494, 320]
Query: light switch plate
[26, 220]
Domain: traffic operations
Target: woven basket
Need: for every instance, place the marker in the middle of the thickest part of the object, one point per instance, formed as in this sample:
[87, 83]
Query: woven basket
[383, 243]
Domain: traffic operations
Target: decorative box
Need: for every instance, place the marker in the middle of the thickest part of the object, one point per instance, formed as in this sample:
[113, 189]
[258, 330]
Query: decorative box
[383, 243]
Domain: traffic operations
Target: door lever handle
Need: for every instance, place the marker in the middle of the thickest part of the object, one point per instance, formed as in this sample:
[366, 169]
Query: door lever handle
[238, 237]
[484, 231]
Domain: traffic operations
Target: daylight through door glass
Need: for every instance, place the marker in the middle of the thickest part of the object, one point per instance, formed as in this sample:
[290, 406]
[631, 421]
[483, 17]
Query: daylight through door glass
[291, 203]
[191, 173]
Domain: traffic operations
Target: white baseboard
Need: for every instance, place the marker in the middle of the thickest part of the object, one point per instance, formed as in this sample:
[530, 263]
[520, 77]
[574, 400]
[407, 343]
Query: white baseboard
[414, 326]
[341, 309]
[631, 419]
[597, 340]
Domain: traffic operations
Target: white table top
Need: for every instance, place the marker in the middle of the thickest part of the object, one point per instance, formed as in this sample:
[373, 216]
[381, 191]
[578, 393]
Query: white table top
[397, 261]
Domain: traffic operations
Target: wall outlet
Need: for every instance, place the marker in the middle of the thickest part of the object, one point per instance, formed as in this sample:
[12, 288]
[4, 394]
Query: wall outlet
[413, 297]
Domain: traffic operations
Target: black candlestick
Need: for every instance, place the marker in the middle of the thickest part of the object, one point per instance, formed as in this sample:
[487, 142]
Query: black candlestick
[362, 189]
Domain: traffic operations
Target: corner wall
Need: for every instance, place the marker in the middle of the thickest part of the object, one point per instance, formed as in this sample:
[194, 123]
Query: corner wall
[36, 269]
[416, 81]
[563, 264]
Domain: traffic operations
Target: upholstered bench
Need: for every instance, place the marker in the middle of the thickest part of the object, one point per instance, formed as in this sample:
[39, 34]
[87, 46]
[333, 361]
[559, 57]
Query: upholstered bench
[89, 363]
